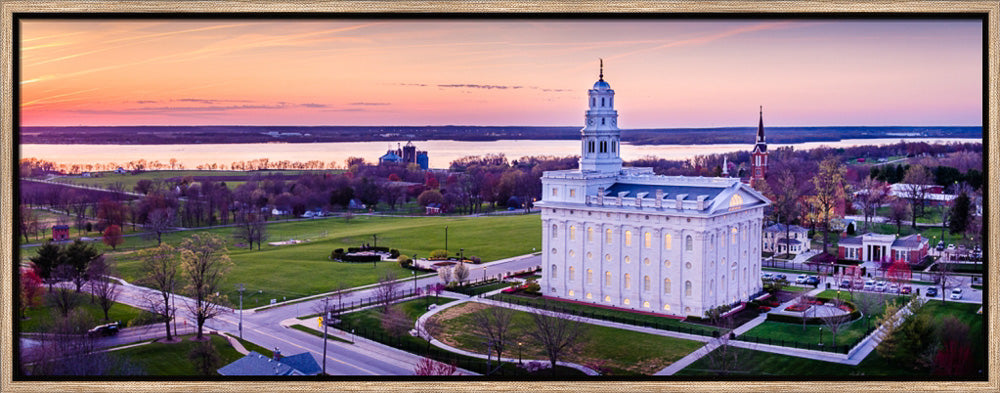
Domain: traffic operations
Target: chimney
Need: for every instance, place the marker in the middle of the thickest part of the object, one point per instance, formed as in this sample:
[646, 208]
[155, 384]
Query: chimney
[600, 195]
[659, 198]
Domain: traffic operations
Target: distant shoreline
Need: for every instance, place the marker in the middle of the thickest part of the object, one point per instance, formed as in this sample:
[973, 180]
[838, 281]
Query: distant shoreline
[187, 135]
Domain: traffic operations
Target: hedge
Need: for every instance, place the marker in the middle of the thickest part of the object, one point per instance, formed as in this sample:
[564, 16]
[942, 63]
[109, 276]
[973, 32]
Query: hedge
[360, 258]
[360, 249]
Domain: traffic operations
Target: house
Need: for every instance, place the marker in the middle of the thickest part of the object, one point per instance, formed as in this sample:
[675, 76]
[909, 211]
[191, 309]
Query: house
[407, 154]
[775, 241]
[86, 174]
[933, 194]
[279, 212]
[888, 248]
[258, 365]
[432, 208]
[625, 237]
[120, 171]
[60, 232]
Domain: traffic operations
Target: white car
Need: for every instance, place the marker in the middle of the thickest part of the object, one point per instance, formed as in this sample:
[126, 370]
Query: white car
[801, 279]
[880, 286]
[766, 276]
[894, 288]
[956, 293]
[869, 285]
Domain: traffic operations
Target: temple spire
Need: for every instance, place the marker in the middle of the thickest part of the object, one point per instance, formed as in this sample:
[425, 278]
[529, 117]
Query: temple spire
[601, 75]
[760, 126]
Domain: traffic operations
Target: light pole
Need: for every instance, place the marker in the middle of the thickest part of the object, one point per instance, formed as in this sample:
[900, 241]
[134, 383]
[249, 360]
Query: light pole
[446, 238]
[821, 336]
[461, 253]
[375, 240]
[414, 273]
[326, 322]
[241, 288]
[519, 360]
[484, 273]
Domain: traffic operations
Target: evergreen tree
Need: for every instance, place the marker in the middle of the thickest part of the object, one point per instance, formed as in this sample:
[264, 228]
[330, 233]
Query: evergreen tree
[958, 219]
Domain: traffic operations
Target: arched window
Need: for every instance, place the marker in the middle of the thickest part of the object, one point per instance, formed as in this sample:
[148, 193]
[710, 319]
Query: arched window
[607, 298]
[570, 293]
[553, 271]
[627, 302]
[645, 304]
[666, 285]
[668, 241]
[590, 234]
[666, 307]
[645, 261]
[689, 243]
[607, 279]
[607, 236]
[572, 273]
[627, 259]
[711, 287]
[590, 295]
[614, 144]
[628, 281]
[735, 231]
[735, 202]
[572, 232]
[555, 231]
[590, 276]
[628, 238]
[602, 101]
[687, 288]
[645, 283]
[592, 101]
[648, 240]
[666, 263]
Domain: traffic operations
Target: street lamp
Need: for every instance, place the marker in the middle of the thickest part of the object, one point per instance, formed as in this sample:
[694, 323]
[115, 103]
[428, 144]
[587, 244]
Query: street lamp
[519, 360]
[484, 273]
[461, 253]
[375, 240]
[414, 273]
[241, 288]
[446, 238]
[821, 336]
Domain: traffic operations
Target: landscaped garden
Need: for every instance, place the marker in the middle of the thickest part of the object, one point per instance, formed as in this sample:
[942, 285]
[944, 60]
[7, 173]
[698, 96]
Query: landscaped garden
[368, 324]
[618, 351]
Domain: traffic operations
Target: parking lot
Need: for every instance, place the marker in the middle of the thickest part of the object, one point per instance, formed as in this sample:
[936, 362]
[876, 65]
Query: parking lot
[968, 294]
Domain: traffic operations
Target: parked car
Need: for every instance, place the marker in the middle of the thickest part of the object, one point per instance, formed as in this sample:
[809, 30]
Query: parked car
[859, 284]
[951, 247]
[940, 246]
[845, 283]
[780, 276]
[109, 329]
[870, 285]
[956, 293]
[812, 280]
[906, 289]
[766, 276]
[931, 291]
[801, 279]
[894, 288]
[880, 286]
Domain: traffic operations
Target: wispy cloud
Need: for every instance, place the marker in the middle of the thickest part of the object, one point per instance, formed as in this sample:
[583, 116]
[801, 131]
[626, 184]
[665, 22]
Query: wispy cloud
[369, 103]
[704, 39]
[475, 86]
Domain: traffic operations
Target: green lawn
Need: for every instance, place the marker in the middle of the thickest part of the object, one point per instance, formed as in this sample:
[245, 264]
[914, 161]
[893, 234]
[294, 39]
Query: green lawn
[932, 215]
[41, 316]
[759, 363]
[473, 290]
[625, 352]
[161, 359]
[130, 180]
[620, 316]
[254, 347]
[292, 271]
[932, 233]
[367, 323]
[793, 334]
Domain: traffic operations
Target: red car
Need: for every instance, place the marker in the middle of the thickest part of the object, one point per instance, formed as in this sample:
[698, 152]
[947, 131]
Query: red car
[906, 289]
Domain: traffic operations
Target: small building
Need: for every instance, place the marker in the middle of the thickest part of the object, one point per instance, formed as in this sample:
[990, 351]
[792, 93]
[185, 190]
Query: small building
[407, 154]
[60, 232]
[775, 241]
[120, 171]
[258, 365]
[872, 247]
[933, 194]
[432, 208]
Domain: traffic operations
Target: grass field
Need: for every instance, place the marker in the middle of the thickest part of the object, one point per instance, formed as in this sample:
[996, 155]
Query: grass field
[162, 359]
[130, 180]
[793, 333]
[932, 215]
[759, 363]
[624, 352]
[41, 316]
[292, 271]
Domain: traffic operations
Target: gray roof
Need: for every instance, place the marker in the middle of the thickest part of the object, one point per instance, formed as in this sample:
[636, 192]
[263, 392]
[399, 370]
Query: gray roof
[788, 241]
[912, 241]
[256, 364]
[850, 241]
[781, 228]
[670, 191]
[303, 362]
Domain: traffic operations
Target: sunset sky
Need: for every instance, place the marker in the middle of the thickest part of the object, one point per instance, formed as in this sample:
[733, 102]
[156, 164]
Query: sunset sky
[669, 73]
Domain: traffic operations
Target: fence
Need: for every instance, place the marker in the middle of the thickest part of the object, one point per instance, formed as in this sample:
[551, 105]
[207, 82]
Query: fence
[612, 316]
[836, 268]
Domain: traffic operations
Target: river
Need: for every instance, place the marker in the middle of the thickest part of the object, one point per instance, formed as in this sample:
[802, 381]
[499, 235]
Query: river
[440, 152]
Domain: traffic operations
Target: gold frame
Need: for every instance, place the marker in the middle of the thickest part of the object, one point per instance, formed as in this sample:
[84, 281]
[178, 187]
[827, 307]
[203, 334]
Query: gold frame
[7, 8]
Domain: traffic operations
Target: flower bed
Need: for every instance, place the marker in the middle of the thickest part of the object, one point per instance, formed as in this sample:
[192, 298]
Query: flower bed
[798, 307]
[442, 264]
[764, 308]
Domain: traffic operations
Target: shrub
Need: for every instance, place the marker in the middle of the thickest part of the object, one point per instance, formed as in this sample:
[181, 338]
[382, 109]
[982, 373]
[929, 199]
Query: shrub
[475, 259]
[393, 253]
[439, 254]
[532, 287]
[337, 254]
[360, 258]
[404, 261]
[145, 318]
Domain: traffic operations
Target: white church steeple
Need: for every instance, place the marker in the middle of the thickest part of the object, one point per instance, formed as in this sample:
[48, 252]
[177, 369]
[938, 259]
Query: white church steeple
[601, 136]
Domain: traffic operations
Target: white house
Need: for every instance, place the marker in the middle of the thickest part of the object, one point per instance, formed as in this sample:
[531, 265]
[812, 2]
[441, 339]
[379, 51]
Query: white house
[627, 238]
[796, 242]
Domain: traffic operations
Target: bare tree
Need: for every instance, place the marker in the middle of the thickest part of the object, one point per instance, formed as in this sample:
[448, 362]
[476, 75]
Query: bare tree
[101, 284]
[835, 322]
[786, 199]
[868, 303]
[394, 321]
[870, 196]
[724, 359]
[898, 214]
[829, 182]
[461, 272]
[61, 298]
[427, 366]
[915, 189]
[159, 221]
[444, 273]
[556, 335]
[495, 323]
[385, 293]
[67, 351]
[204, 261]
[945, 277]
[160, 268]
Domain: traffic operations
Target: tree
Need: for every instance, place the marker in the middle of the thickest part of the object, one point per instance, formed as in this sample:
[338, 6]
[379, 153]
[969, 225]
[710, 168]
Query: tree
[111, 212]
[556, 335]
[160, 268]
[46, 259]
[430, 196]
[959, 214]
[158, 221]
[79, 255]
[829, 182]
[205, 358]
[899, 272]
[495, 323]
[724, 359]
[871, 195]
[886, 337]
[27, 221]
[868, 303]
[59, 297]
[461, 272]
[113, 236]
[835, 322]
[386, 290]
[786, 198]
[944, 277]
[915, 189]
[31, 285]
[251, 228]
[427, 366]
[955, 354]
[204, 261]
[394, 321]
[101, 285]
[444, 273]
[898, 213]
[915, 342]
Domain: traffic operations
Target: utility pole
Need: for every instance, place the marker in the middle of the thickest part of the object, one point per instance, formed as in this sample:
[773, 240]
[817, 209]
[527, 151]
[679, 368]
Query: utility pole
[326, 322]
[241, 288]
[446, 238]
[375, 236]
